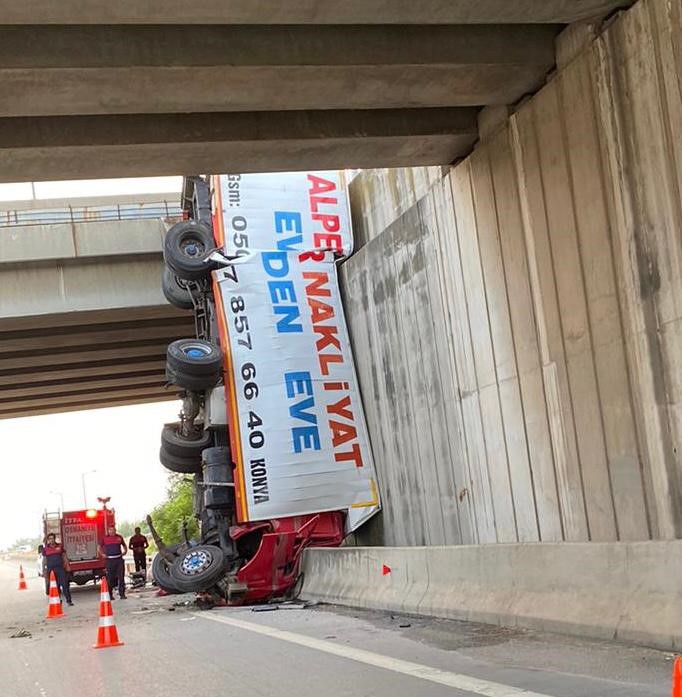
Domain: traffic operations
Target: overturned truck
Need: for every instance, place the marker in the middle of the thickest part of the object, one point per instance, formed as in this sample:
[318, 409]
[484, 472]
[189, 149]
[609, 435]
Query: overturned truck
[272, 426]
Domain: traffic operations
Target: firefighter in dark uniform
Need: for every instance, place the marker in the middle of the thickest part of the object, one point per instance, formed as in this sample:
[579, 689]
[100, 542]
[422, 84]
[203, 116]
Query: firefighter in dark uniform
[57, 561]
[139, 543]
[113, 548]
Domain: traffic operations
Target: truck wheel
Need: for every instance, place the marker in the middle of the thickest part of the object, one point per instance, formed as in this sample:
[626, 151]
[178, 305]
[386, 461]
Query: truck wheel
[198, 568]
[160, 572]
[174, 443]
[186, 248]
[193, 364]
[194, 357]
[192, 383]
[181, 465]
[177, 295]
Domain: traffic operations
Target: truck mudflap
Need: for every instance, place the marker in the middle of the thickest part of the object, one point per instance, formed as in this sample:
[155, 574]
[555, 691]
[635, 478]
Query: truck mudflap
[273, 570]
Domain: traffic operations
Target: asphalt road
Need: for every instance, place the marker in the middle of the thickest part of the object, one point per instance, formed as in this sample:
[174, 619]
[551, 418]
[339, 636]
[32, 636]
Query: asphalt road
[181, 652]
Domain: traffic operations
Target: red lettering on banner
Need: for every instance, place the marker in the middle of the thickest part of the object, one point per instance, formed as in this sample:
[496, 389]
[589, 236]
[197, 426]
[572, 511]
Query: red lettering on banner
[319, 185]
[341, 408]
[341, 433]
[326, 240]
[328, 237]
[319, 311]
[328, 337]
[329, 353]
[316, 287]
[353, 454]
[326, 359]
[331, 223]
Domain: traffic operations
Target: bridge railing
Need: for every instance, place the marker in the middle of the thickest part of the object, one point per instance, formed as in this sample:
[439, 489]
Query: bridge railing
[91, 214]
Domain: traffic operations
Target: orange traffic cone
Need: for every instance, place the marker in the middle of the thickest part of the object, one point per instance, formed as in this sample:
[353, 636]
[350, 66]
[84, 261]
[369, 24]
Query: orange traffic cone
[22, 579]
[677, 677]
[107, 635]
[54, 602]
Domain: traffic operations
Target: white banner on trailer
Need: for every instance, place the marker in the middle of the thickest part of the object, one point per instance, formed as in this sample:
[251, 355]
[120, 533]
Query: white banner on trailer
[285, 210]
[298, 431]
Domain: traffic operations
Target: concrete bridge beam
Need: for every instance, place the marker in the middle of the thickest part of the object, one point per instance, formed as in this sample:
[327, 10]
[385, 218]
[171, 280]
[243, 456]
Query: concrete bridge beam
[77, 147]
[302, 11]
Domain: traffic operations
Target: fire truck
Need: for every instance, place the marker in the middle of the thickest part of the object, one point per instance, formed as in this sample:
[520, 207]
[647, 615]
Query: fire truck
[272, 428]
[80, 532]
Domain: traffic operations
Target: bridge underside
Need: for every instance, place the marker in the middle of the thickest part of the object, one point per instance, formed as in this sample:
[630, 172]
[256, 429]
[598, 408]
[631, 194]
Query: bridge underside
[83, 360]
[129, 89]
[83, 320]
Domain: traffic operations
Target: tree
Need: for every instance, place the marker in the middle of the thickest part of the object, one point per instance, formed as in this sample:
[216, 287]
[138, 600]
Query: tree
[169, 516]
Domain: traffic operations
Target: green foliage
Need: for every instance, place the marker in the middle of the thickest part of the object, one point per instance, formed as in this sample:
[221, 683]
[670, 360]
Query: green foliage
[31, 542]
[168, 516]
[126, 528]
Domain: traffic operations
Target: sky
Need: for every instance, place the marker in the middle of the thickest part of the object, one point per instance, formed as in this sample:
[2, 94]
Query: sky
[44, 454]
[75, 188]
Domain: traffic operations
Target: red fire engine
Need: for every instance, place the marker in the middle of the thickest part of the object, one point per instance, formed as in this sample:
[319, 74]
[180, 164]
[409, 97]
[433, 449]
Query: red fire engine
[80, 532]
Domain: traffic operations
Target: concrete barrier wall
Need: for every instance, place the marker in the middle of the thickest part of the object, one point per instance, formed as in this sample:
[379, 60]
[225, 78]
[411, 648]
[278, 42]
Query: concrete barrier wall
[625, 591]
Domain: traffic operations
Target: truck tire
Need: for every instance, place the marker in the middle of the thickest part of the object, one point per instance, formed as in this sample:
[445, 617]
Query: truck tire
[160, 572]
[180, 465]
[176, 294]
[194, 357]
[186, 249]
[192, 383]
[175, 444]
[198, 568]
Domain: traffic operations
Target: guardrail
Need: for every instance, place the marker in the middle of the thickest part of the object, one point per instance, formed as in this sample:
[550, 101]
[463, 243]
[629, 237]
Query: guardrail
[91, 214]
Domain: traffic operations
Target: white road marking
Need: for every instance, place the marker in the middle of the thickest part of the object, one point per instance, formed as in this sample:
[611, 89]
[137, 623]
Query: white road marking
[458, 681]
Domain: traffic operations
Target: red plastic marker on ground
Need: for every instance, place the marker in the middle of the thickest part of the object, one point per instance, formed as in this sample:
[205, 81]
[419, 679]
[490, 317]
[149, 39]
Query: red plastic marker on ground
[107, 634]
[22, 579]
[54, 602]
[677, 677]
[385, 570]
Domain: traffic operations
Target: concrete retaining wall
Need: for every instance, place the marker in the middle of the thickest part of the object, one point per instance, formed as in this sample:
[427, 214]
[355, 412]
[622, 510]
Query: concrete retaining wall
[625, 591]
[518, 330]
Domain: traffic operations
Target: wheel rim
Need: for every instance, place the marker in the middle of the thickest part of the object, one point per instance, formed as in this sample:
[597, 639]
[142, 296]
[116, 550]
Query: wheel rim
[192, 247]
[196, 351]
[196, 561]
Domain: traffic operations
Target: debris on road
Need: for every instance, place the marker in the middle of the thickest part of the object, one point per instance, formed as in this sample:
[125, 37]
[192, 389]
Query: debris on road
[21, 634]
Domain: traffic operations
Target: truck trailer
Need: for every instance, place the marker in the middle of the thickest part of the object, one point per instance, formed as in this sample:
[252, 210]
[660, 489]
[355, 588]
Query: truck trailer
[272, 427]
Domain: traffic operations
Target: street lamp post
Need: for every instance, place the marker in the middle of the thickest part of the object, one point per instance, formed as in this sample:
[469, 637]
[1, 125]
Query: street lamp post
[85, 496]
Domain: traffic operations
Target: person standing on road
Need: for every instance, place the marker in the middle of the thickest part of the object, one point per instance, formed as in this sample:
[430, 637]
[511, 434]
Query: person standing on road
[113, 548]
[57, 561]
[138, 543]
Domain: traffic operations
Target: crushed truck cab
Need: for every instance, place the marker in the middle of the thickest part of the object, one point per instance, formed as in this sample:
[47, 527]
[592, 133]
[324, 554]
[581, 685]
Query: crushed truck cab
[272, 426]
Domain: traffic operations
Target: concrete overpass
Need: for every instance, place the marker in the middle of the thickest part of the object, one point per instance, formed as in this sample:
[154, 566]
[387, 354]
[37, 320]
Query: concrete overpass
[83, 321]
[123, 89]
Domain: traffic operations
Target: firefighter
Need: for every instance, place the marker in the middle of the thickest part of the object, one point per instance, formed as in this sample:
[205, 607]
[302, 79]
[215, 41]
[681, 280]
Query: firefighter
[113, 548]
[57, 561]
[138, 543]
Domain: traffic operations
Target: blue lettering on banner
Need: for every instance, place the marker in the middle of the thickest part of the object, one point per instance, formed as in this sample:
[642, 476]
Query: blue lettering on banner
[282, 294]
[302, 437]
[288, 222]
